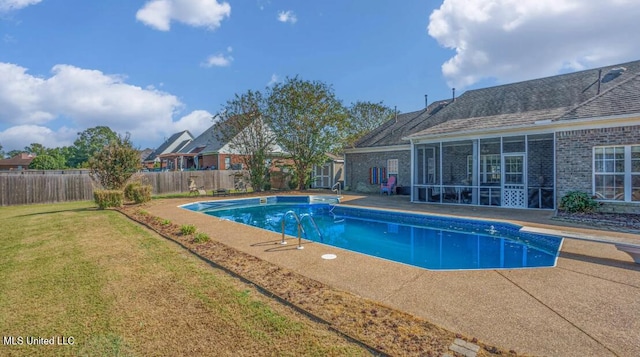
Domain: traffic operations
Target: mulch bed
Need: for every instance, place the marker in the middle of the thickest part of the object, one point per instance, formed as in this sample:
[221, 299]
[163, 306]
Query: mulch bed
[385, 331]
[623, 222]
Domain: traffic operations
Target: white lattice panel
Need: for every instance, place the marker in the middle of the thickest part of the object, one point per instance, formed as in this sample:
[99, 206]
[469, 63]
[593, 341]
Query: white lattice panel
[513, 197]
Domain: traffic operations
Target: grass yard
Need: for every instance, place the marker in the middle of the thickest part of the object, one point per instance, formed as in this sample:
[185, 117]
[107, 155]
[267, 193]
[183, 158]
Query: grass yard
[94, 283]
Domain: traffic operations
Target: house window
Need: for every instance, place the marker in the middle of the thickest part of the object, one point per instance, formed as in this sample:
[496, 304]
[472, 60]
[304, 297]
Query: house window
[489, 168]
[392, 167]
[616, 171]
[635, 173]
[227, 163]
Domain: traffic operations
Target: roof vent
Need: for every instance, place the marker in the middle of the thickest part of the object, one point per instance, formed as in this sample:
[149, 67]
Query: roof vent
[613, 74]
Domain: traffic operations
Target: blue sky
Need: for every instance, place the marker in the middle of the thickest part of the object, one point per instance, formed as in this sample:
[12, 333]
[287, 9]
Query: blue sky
[156, 67]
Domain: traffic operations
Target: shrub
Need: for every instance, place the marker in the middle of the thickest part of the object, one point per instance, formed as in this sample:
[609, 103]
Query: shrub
[187, 229]
[108, 198]
[201, 238]
[165, 222]
[267, 187]
[576, 201]
[137, 192]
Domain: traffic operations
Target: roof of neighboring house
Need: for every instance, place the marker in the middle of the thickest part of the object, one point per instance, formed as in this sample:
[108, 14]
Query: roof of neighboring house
[606, 91]
[169, 145]
[334, 157]
[22, 159]
[145, 153]
[207, 142]
[392, 131]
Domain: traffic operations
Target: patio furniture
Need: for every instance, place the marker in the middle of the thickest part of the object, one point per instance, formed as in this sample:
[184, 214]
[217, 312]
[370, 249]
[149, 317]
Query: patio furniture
[193, 188]
[389, 186]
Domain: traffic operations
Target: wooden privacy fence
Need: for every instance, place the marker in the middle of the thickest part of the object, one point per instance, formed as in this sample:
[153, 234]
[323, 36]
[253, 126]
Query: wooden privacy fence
[26, 188]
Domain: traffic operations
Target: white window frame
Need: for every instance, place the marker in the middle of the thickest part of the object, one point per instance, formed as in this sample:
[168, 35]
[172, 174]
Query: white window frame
[392, 168]
[608, 167]
[486, 177]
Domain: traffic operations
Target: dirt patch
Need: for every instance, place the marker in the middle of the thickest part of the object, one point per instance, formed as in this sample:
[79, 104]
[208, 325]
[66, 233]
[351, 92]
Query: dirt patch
[383, 329]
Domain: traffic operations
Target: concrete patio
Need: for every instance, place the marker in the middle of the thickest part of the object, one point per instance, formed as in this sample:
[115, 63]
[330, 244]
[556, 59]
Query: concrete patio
[588, 305]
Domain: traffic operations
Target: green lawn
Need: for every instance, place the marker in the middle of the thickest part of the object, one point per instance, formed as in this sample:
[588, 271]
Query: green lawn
[94, 278]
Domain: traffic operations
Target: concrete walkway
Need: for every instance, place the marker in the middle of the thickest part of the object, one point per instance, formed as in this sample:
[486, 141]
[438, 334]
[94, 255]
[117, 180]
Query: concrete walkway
[589, 305]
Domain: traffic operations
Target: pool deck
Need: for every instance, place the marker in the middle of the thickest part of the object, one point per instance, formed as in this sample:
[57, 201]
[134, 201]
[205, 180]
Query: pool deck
[588, 305]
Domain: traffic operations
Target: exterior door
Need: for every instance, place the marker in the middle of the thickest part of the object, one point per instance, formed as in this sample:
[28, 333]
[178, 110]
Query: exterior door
[322, 176]
[513, 181]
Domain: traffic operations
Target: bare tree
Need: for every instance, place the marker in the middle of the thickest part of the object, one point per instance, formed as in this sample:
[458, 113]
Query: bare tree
[243, 127]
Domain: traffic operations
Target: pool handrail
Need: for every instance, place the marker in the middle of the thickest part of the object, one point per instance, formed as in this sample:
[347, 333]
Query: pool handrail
[300, 227]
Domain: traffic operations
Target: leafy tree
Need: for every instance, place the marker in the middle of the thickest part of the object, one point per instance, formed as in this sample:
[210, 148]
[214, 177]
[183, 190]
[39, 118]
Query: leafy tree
[364, 117]
[89, 142]
[242, 125]
[44, 162]
[13, 153]
[1, 152]
[36, 149]
[115, 163]
[306, 118]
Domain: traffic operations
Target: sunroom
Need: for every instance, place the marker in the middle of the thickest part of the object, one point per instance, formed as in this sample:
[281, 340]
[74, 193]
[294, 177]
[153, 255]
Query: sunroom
[514, 171]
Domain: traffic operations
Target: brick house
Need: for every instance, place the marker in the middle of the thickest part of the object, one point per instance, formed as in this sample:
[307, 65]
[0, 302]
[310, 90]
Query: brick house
[18, 162]
[208, 152]
[524, 145]
[173, 144]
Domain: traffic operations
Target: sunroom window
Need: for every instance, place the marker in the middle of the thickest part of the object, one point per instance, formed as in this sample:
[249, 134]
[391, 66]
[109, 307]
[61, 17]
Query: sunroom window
[617, 173]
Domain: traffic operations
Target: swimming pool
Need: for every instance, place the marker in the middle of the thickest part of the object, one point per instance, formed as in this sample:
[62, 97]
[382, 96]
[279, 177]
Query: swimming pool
[426, 241]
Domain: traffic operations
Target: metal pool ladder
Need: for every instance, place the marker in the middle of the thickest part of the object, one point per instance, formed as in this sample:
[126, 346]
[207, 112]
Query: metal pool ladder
[300, 227]
[336, 188]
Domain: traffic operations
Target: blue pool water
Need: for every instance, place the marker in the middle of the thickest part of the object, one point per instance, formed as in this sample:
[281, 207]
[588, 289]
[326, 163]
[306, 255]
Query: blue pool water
[431, 242]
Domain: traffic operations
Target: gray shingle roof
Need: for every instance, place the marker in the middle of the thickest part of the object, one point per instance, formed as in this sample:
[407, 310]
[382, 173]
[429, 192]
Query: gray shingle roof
[623, 99]
[167, 143]
[207, 142]
[392, 131]
[568, 96]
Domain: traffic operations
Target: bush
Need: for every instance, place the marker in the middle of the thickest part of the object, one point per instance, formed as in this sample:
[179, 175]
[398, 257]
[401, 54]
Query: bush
[201, 238]
[267, 187]
[187, 229]
[108, 198]
[137, 192]
[576, 201]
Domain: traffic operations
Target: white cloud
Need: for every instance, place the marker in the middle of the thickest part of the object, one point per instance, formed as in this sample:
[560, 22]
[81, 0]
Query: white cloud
[196, 122]
[219, 60]
[512, 40]
[9, 5]
[274, 79]
[30, 108]
[17, 137]
[287, 16]
[198, 13]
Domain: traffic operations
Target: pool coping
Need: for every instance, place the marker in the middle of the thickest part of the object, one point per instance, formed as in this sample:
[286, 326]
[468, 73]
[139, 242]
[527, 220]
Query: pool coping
[540, 311]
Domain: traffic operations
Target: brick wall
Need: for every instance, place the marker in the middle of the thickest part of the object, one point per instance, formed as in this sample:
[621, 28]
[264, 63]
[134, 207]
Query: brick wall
[574, 155]
[358, 165]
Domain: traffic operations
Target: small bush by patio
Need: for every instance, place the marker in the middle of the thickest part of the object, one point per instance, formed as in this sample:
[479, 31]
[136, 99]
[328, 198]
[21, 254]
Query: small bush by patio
[108, 198]
[576, 201]
[187, 229]
[201, 238]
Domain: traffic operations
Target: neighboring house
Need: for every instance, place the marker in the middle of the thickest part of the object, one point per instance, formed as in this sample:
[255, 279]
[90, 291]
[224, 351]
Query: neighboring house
[330, 173]
[144, 154]
[207, 152]
[18, 162]
[175, 143]
[526, 144]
